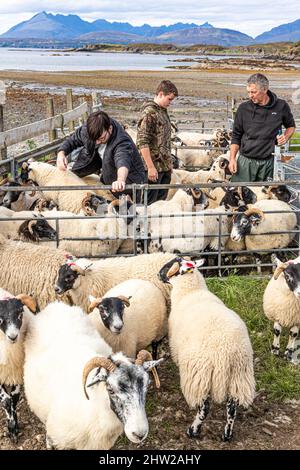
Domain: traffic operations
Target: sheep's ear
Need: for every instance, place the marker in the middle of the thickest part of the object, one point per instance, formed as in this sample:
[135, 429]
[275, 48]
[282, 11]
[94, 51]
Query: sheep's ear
[28, 301]
[100, 376]
[173, 269]
[276, 260]
[199, 262]
[148, 365]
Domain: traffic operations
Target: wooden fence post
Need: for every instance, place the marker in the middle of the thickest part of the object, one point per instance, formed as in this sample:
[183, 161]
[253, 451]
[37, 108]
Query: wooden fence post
[3, 151]
[233, 108]
[69, 95]
[50, 113]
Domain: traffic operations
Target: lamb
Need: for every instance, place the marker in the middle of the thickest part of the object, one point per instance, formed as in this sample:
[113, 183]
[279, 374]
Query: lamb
[80, 278]
[73, 201]
[280, 192]
[31, 269]
[33, 229]
[130, 316]
[255, 226]
[281, 303]
[66, 353]
[209, 343]
[14, 315]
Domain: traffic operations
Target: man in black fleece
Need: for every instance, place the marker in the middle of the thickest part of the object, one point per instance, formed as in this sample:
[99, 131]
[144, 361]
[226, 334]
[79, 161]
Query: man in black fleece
[256, 131]
[104, 146]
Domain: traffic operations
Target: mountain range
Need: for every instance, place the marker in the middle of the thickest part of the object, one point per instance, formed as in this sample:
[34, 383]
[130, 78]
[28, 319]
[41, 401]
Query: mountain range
[47, 26]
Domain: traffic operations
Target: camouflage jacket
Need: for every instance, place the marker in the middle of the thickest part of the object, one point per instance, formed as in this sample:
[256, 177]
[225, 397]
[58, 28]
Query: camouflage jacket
[154, 131]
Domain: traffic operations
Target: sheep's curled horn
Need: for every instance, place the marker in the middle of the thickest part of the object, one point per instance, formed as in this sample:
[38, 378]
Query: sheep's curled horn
[31, 223]
[92, 364]
[143, 356]
[85, 205]
[254, 211]
[280, 270]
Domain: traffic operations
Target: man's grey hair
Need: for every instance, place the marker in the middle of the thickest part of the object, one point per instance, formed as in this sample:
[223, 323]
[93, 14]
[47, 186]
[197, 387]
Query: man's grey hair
[260, 80]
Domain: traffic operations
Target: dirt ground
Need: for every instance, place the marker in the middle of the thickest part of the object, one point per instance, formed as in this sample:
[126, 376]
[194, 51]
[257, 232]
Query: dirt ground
[266, 425]
[263, 426]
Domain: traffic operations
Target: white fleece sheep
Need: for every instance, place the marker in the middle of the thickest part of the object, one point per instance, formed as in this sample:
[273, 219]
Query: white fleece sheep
[112, 227]
[216, 172]
[209, 343]
[47, 175]
[281, 303]
[98, 277]
[14, 317]
[32, 228]
[62, 350]
[260, 224]
[144, 320]
[94, 180]
[30, 269]
[204, 224]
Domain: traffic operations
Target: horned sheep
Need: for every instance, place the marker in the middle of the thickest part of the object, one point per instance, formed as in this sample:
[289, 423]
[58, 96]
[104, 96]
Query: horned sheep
[210, 344]
[75, 201]
[14, 316]
[130, 316]
[70, 359]
[265, 231]
[33, 228]
[281, 303]
[80, 278]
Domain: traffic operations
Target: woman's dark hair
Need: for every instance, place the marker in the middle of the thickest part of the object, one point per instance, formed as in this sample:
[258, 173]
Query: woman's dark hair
[97, 123]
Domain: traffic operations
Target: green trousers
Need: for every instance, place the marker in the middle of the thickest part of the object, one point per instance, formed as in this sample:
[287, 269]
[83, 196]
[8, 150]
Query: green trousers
[249, 170]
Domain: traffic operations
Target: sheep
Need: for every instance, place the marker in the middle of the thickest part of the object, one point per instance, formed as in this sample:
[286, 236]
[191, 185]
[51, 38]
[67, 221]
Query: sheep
[31, 269]
[62, 349]
[204, 224]
[254, 226]
[231, 197]
[14, 315]
[24, 200]
[33, 229]
[94, 180]
[106, 233]
[130, 316]
[73, 201]
[80, 278]
[209, 343]
[217, 138]
[218, 171]
[195, 157]
[281, 304]
[280, 192]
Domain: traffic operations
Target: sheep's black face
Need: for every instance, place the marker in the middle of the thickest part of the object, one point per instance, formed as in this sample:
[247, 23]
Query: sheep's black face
[292, 277]
[282, 193]
[11, 316]
[11, 196]
[231, 199]
[42, 229]
[65, 279]
[111, 310]
[241, 227]
[162, 275]
[249, 197]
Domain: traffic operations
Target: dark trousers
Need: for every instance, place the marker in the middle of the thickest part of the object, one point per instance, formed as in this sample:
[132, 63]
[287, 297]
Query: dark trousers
[251, 170]
[164, 177]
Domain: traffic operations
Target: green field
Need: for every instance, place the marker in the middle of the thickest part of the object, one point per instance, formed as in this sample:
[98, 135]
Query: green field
[295, 142]
[279, 379]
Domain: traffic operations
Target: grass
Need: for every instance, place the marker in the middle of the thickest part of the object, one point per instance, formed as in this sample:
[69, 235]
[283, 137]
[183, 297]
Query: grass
[279, 379]
[295, 142]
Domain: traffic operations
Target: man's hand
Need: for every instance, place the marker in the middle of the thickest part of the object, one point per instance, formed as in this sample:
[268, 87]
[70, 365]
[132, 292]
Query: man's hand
[232, 167]
[118, 186]
[62, 162]
[281, 139]
[152, 174]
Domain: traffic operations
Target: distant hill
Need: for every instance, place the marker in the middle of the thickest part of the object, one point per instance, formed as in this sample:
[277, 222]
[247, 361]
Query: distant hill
[284, 32]
[206, 34]
[58, 28]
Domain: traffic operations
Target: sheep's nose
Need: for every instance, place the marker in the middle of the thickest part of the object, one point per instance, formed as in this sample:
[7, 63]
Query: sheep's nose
[13, 339]
[58, 290]
[139, 436]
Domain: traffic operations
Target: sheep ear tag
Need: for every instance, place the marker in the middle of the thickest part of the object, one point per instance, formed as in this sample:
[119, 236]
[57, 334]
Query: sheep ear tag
[187, 267]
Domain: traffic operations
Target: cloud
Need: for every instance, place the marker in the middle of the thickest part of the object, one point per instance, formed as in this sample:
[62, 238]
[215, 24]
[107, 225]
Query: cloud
[252, 19]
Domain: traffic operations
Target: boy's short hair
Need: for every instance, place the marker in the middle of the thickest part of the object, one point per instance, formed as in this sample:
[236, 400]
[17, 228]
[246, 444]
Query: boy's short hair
[97, 123]
[167, 87]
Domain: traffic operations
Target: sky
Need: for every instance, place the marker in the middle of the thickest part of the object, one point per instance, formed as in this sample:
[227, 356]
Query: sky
[251, 18]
